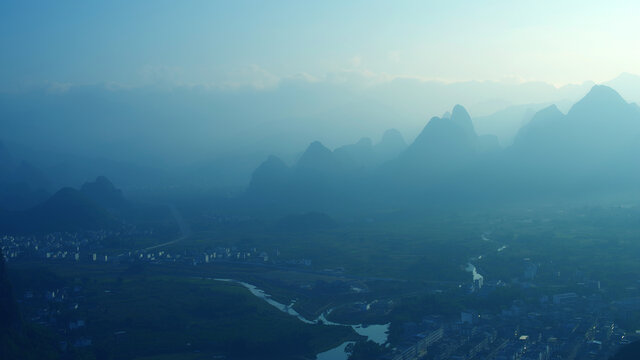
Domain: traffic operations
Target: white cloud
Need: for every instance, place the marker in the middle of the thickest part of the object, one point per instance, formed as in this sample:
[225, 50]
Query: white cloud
[252, 76]
[58, 87]
[357, 77]
[304, 77]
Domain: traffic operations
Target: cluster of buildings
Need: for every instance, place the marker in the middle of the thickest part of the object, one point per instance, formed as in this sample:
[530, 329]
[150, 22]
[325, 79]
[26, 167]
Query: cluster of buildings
[95, 247]
[91, 246]
[73, 246]
[60, 309]
[564, 325]
[577, 329]
[556, 326]
[195, 258]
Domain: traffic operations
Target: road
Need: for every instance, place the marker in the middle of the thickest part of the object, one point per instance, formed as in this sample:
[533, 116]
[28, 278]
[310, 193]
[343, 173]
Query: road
[185, 231]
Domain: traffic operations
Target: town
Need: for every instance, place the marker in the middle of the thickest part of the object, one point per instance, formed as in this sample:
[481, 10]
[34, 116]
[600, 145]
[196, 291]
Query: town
[563, 325]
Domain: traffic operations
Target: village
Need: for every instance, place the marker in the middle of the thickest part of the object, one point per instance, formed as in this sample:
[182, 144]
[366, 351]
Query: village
[558, 326]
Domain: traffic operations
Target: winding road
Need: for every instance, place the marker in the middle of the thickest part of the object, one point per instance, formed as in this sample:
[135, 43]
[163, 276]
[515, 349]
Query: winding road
[185, 231]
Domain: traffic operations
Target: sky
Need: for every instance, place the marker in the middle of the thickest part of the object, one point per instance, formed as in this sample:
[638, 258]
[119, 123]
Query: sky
[258, 43]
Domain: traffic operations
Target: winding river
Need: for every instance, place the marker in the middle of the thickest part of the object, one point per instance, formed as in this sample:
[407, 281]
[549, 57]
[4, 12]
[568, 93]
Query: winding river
[472, 269]
[375, 333]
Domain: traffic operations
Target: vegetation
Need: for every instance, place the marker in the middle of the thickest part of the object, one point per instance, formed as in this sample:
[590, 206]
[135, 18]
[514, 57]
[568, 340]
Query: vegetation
[142, 314]
[20, 340]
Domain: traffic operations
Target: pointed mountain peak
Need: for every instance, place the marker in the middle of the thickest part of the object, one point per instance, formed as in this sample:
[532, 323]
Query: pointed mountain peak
[603, 91]
[458, 128]
[273, 163]
[459, 113]
[461, 117]
[317, 156]
[434, 122]
[441, 130]
[103, 192]
[103, 181]
[442, 144]
[101, 184]
[316, 147]
[69, 209]
[550, 111]
[391, 144]
[599, 96]
[601, 103]
[269, 175]
[274, 160]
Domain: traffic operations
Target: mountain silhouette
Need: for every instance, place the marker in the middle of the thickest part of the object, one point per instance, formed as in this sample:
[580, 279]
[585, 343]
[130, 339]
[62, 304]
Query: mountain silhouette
[461, 117]
[598, 129]
[390, 146]
[67, 210]
[445, 144]
[22, 185]
[318, 159]
[537, 131]
[104, 193]
[270, 178]
[593, 146]
[628, 85]
[602, 121]
[356, 156]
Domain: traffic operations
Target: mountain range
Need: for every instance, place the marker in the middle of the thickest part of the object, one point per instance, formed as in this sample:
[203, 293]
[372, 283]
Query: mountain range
[594, 147]
[591, 147]
[95, 206]
[158, 136]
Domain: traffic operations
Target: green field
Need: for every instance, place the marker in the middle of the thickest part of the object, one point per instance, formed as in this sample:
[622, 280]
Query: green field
[161, 316]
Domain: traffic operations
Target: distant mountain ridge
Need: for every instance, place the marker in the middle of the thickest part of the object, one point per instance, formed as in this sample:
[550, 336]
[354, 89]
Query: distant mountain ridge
[68, 210]
[103, 192]
[390, 146]
[22, 185]
[597, 132]
[444, 142]
[321, 174]
[595, 144]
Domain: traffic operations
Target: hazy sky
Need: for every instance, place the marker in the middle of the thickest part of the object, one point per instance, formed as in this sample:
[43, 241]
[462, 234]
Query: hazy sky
[259, 42]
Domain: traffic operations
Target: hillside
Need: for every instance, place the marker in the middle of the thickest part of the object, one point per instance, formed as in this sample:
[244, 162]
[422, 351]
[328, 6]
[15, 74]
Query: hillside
[67, 210]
